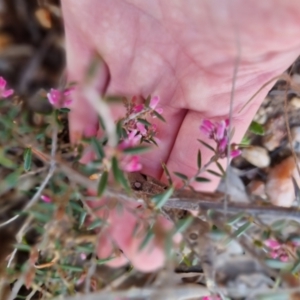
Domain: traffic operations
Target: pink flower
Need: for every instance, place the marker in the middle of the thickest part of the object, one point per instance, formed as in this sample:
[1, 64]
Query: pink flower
[235, 153]
[131, 164]
[219, 133]
[138, 108]
[207, 127]
[220, 130]
[131, 141]
[223, 144]
[141, 128]
[60, 98]
[3, 92]
[278, 250]
[153, 104]
[46, 199]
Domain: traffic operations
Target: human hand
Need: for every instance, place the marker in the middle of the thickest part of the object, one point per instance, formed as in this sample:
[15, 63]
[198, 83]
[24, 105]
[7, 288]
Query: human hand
[184, 52]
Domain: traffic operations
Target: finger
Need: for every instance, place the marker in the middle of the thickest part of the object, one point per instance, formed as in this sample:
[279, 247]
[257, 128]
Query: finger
[184, 153]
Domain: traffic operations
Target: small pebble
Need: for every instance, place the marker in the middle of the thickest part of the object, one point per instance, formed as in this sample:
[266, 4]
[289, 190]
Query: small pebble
[257, 156]
[257, 188]
[279, 187]
[295, 102]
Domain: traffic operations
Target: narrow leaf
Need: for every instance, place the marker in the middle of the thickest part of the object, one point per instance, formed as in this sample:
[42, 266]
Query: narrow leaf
[27, 159]
[118, 174]
[96, 144]
[242, 229]
[183, 224]
[214, 173]
[144, 122]
[256, 128]
[147, 101]
[159, 116]
[95, 224]
[207, 146]
[202, 179]
[181, 176]
[104, 260]
[136, 150]
[71, 268]
[220, 168]
[278, 264]
[64, 110]
[149, 236]
[199, 160]
[102, 183]
[161, 199]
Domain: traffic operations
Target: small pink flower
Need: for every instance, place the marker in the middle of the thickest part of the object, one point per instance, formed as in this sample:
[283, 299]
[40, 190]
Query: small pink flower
[235, 153]
[220, 130]
[207, 127]
[141, 128]
[272, 244]
[3, 92]
[223, 144]
[153, 102]
[131, 141]
[60, 98]
[83, 256]
[138, 108]
[219, 133]
[131, 164]
[46, 199]
[278, 250]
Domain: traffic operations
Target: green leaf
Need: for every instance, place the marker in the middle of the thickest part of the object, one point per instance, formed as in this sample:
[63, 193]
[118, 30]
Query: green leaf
[147, 101]
[278, 264]
[23, 247]
[118, 174]
[156, 114]
[119, 128]
[144, 122]
[136, 150]
[149, 236]
[95, 224]
[242, 229]
[71, 268]
[181, 176]
[199, 160]
[104, 260]
[214, 173]
[220, 168]
[183, 224]
[5, 161]
[96, 144]
[256, 128]
[27, 159]
[206, 145]
[102, 183]
[161, 199]
[82, 218]
[235, 218]
[202, 179]
[64, 110]
[245, 141]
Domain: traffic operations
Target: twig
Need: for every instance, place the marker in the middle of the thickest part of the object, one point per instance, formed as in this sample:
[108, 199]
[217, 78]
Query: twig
[104, 111]
[171, 293]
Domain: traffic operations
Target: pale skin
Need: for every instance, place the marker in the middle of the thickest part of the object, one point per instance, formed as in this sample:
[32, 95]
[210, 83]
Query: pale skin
[184, 52]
